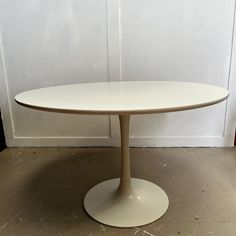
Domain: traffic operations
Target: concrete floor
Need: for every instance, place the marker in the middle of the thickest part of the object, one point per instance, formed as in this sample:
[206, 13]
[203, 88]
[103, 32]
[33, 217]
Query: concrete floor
[42, 189]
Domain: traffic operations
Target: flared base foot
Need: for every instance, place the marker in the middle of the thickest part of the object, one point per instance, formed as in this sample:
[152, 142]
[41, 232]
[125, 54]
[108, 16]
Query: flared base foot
[147, 203]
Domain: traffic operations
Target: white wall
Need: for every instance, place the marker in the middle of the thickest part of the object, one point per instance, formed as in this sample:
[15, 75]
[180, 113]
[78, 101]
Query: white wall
[45, 43]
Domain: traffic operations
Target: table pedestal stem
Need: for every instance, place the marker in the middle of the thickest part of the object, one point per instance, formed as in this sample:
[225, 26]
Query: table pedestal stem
[125, 188]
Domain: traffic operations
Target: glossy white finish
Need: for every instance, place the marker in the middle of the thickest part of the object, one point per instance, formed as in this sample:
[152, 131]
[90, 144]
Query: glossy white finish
[123, 97]
[126, 202]
[146, 204]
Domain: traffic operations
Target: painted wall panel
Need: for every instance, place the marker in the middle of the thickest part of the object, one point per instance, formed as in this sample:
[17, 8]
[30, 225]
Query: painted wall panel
[183, 41]
[48, 43]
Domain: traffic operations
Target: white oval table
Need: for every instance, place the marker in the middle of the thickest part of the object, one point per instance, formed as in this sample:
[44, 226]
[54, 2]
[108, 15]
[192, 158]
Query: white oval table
[124, 202]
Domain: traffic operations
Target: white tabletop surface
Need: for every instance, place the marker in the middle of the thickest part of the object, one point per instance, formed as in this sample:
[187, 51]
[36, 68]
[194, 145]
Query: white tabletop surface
[136, 97]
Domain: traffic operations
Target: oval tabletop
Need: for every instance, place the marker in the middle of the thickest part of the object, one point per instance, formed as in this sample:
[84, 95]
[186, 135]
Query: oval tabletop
[125, 97]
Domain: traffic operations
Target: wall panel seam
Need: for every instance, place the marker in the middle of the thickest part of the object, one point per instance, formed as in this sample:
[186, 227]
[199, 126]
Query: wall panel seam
[230, 67]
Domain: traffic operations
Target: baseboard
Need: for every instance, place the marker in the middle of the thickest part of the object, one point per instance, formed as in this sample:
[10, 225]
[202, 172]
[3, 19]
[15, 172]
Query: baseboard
[212, 141]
